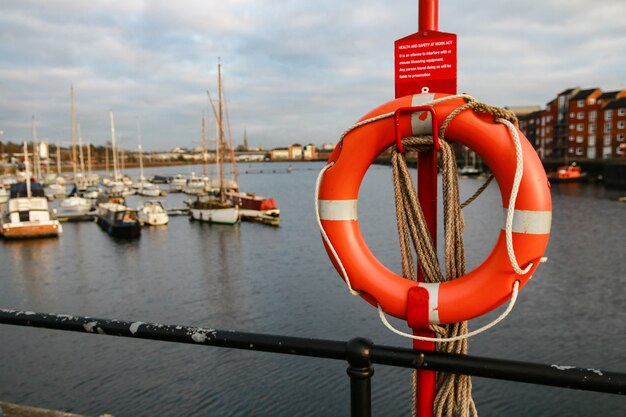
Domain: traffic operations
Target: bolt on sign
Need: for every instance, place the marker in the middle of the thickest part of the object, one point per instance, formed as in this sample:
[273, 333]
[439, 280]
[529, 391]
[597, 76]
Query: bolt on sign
[426, 62]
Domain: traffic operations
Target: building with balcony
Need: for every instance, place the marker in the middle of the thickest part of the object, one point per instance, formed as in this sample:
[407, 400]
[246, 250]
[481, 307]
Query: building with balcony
[578, 124]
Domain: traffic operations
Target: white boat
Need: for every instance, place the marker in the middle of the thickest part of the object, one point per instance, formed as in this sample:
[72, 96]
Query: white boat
[210, 209]
[152, 213]
[147, 189]
[27, 214]
[195, 185]
[144, 187]
[177, 183]
[74, 206]
[92, 192]
[28, 217]
[56, 190]
[118, 188]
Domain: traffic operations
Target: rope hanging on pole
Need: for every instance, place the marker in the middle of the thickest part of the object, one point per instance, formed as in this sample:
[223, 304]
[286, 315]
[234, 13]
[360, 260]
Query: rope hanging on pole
[453, 397]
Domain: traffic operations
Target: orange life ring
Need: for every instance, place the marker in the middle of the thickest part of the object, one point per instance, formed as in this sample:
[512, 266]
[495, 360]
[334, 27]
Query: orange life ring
[479, 291]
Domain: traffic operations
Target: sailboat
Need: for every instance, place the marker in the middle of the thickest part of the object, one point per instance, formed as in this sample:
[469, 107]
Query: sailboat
[214, 207]
[57, 188]
[76, 206]
[117, 188]
[144, 187]
[27, 214]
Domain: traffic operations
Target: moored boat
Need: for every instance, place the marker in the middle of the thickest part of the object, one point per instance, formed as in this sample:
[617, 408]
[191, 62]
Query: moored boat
[212, 206]
[568, 174]
[148, 189]
[195, 185]
[27, 214]
[256, 208]
[152, 213]
[75, 207]
[118, 220]
[211, 209]
[177, 183]
[92, 192]
[56, 189]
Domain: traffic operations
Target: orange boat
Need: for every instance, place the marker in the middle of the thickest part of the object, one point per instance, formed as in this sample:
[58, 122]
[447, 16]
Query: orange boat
[568, 173]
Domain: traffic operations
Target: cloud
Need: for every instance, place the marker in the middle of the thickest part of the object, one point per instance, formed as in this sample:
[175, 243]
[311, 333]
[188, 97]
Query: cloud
[294, 71]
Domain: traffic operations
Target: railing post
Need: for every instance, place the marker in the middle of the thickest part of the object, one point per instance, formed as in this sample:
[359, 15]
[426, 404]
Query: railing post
[360, 372]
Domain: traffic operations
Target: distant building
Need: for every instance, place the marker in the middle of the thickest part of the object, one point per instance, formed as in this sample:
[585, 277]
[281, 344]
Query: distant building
[279, 154]
[309, 152]
[295, 151]
[584, 124]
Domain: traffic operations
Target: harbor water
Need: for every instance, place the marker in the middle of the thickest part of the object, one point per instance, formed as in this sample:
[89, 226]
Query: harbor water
[256, 278]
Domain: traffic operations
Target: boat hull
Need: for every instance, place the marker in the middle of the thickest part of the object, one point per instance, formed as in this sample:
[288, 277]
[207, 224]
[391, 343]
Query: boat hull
[30, 230]
[129, 230]
[218, 216]
[556, 180]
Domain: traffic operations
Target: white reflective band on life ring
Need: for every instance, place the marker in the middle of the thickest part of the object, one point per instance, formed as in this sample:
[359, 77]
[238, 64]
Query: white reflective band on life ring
[530, 222]
[338, 209]
[433, 300]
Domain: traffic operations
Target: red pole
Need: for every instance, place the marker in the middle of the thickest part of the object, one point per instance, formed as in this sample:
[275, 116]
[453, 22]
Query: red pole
[427, 194]
[428, 15]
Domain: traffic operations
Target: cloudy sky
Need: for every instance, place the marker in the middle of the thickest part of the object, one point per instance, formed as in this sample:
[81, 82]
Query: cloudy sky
[294, 70]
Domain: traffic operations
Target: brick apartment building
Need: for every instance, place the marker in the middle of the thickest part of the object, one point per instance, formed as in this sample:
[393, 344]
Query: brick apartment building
[579, 124]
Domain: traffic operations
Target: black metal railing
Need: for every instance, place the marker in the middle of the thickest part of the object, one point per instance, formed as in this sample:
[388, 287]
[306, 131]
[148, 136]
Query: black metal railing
[360, 354]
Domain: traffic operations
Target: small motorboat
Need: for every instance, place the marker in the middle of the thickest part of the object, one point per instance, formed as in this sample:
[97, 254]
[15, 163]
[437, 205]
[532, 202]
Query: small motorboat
[152, 213]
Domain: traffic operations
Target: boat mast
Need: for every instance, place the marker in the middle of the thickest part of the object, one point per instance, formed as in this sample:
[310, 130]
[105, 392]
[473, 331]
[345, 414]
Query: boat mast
[141, 178]
[73, 131]
[203, 147]
[221, 130]
[113, 150]
[58, 159]
[80, 150]
[231, 151]
[122, 157]
[47, 158]
[27, 169]
[89, 157]
[36, 164]
[106, 158]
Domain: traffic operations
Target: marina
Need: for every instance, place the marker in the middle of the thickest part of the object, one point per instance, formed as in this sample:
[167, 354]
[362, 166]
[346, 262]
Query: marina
[275, 280]
[455, 251]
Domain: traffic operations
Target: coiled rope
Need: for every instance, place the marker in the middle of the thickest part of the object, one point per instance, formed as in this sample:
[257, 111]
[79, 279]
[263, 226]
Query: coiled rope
[453, 397]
